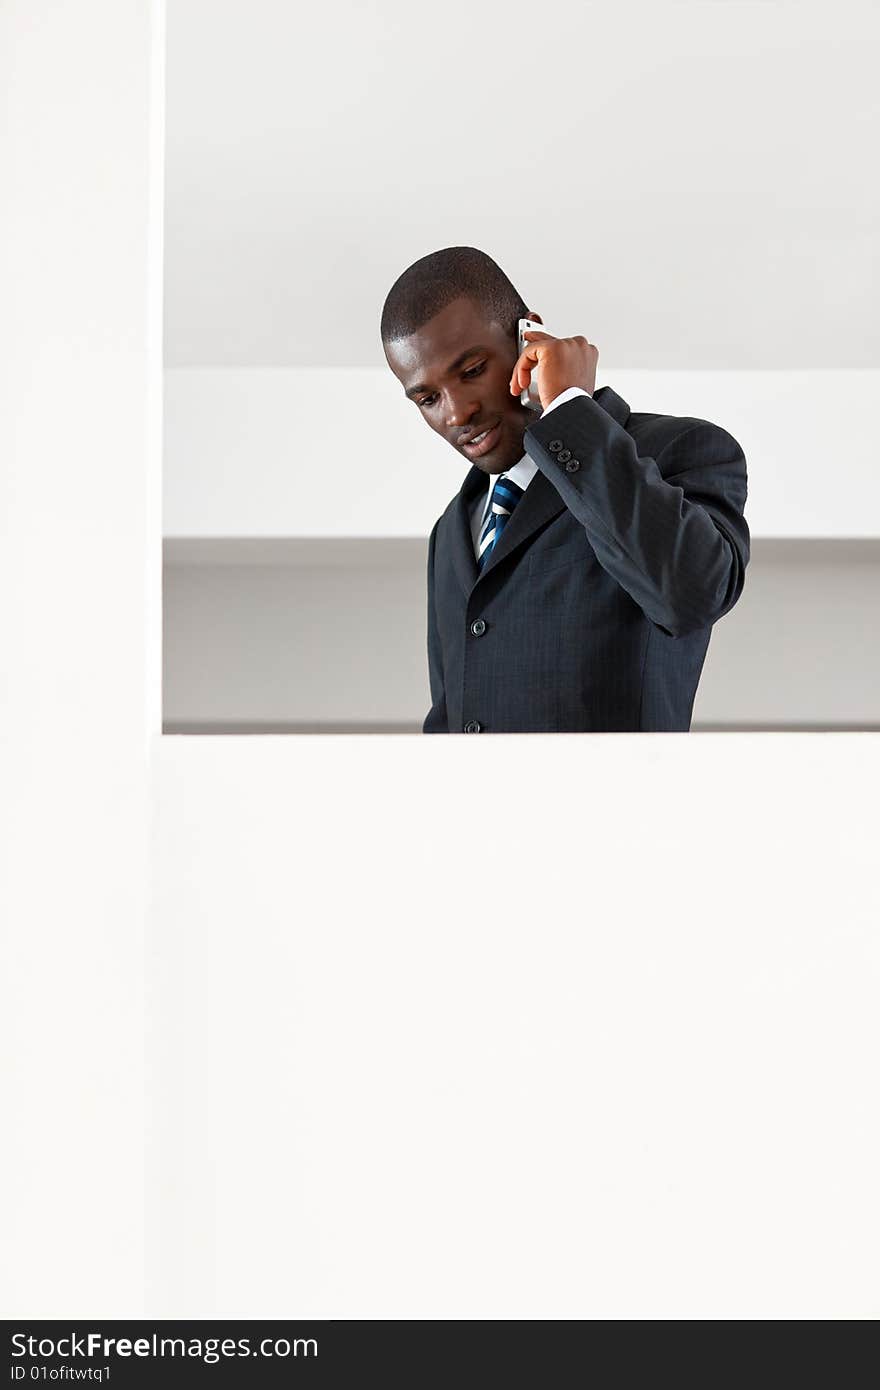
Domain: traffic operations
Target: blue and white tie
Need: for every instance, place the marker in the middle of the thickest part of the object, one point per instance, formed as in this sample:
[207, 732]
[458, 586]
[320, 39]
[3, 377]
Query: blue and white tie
[505, 496]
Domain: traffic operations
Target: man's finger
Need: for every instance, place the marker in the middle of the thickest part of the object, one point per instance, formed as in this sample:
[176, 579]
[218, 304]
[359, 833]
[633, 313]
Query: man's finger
[522, 372]
[528, 358]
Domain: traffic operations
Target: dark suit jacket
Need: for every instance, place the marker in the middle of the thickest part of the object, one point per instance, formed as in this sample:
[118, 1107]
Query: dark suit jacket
[595, 608]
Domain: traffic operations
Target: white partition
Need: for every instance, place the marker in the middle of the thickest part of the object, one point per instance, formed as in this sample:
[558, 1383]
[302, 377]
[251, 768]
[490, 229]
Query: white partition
[81, 138]
[593, 1036]
[339, 452]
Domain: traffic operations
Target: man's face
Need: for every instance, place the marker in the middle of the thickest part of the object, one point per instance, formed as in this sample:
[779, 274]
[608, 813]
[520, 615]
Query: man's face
[457, 370]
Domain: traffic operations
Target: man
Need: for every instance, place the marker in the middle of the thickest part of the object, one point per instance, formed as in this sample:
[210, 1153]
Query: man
[574, 579]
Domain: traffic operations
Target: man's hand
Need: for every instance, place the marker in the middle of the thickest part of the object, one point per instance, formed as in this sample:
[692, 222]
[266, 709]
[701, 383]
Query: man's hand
[561, 362]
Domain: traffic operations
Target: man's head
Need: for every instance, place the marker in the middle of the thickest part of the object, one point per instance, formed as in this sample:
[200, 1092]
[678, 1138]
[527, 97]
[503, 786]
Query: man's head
[449, 334]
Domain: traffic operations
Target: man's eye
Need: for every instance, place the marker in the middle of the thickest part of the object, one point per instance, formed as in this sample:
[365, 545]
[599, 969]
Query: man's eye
[471, 372]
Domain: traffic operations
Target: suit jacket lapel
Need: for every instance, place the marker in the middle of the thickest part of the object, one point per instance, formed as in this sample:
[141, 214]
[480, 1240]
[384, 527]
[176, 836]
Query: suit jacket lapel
[463, 559]
[539, 504]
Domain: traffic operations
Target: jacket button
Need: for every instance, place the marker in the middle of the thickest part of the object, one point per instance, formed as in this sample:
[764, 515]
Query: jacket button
[572, 466]
[478, 627]
[564, 455]
[473, 727]
[554, 446]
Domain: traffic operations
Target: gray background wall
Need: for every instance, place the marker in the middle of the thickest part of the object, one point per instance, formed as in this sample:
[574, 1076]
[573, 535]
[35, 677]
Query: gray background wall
[323, 635]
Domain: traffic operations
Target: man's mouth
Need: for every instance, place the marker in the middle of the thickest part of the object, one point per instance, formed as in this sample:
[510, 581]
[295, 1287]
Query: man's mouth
[482, 443]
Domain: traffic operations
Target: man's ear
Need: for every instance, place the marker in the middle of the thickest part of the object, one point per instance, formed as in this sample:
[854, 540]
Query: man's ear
[536, 317]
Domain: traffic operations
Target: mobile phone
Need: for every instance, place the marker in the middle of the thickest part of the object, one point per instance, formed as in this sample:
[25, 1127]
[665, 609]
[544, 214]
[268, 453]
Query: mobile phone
[530, 396]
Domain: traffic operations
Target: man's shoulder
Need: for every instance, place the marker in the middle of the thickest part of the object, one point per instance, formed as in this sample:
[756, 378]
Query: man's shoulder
[654, 432]
[446, 517]
[466, 490]
[441, 528]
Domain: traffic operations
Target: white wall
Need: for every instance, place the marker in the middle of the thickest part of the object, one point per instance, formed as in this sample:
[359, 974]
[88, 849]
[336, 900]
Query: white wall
[627, 1070]
[274, 452]
[80, 440]
[696, 195]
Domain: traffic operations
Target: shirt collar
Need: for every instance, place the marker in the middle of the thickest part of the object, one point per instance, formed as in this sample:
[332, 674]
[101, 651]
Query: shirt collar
[521, 473]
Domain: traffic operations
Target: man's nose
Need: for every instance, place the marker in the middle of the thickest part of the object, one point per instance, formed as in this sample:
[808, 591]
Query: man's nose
[460, 409]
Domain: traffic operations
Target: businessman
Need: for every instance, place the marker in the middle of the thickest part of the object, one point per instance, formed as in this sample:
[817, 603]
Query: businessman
[574, 579]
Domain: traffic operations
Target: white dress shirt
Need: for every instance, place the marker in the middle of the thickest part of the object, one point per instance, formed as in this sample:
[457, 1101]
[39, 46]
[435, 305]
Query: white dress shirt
[521, 473]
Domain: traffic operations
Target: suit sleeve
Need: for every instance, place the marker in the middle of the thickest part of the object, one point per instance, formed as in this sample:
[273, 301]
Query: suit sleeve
[669, 529]
[436, 721]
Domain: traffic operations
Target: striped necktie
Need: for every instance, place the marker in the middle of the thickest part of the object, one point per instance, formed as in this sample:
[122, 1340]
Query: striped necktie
[505, 496]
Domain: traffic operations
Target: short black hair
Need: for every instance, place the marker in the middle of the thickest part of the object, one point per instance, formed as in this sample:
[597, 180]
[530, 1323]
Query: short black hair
[429, 284]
